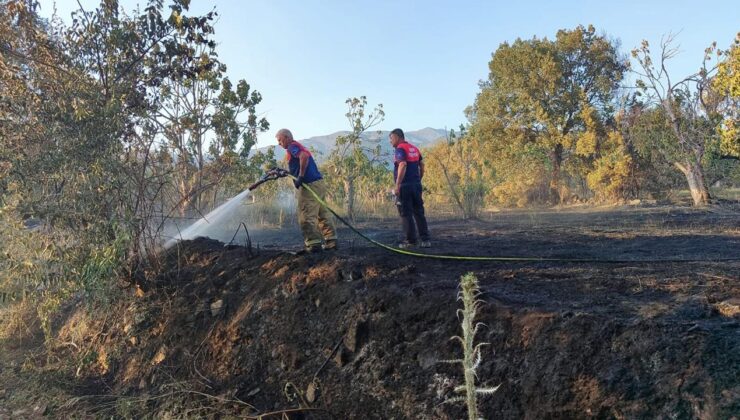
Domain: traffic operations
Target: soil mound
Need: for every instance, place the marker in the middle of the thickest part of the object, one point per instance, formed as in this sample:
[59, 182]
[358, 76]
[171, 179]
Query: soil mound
[360, 333]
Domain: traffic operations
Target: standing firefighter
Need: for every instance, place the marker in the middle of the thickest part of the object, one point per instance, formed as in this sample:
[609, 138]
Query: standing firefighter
[315, 220]
[407, 172]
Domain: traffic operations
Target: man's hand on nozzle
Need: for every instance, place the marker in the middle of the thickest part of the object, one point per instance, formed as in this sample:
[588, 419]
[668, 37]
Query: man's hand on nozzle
[298, 182]
[278, 172]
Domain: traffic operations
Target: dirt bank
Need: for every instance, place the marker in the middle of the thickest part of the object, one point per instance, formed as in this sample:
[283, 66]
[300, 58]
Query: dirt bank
[360, 333]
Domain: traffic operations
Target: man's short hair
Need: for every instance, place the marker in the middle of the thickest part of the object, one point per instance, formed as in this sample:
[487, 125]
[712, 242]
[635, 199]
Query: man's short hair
[286, 133]
[398, 132]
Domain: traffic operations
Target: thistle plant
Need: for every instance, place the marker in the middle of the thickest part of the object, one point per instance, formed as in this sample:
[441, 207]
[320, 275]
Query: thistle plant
[468, 294]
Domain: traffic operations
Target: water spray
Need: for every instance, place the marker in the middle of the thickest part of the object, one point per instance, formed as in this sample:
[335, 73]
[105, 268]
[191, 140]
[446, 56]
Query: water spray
[222, 212]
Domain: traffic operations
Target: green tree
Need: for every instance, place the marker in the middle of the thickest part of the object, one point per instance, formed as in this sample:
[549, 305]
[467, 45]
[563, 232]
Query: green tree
[690, 113]
[31, 64]
[727, 85]
[126, 60]
[201, 117]
[79, 147]
[349, 159]
[537, 103]
[458, 170]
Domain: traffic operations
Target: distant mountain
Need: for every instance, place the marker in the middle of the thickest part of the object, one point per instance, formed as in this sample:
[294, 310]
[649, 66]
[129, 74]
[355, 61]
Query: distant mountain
[322, 145]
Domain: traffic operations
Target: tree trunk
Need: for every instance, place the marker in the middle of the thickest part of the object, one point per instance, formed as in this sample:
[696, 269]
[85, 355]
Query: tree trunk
[212, 204]
[453, 190]
[349, 196]
[184, 193]
[697, 186]
[556, 159]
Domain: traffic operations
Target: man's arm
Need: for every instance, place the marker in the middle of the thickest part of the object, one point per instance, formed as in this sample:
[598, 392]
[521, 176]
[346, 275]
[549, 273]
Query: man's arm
[421, 169]
[399, 179]
[303, 160]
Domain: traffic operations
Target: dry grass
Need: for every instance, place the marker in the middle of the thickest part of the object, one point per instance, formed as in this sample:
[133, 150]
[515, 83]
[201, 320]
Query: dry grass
[19, 321]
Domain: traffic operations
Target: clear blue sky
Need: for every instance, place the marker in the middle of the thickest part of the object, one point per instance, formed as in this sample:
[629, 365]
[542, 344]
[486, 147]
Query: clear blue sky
[421, 59]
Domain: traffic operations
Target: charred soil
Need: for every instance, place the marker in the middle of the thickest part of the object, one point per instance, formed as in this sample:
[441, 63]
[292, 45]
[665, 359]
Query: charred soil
[360, 332]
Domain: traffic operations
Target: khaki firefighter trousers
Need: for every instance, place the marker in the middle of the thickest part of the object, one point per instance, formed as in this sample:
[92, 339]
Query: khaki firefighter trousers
[316, 222]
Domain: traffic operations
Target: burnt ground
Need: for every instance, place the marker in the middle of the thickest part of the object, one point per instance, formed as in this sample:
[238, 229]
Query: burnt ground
[360, 333]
